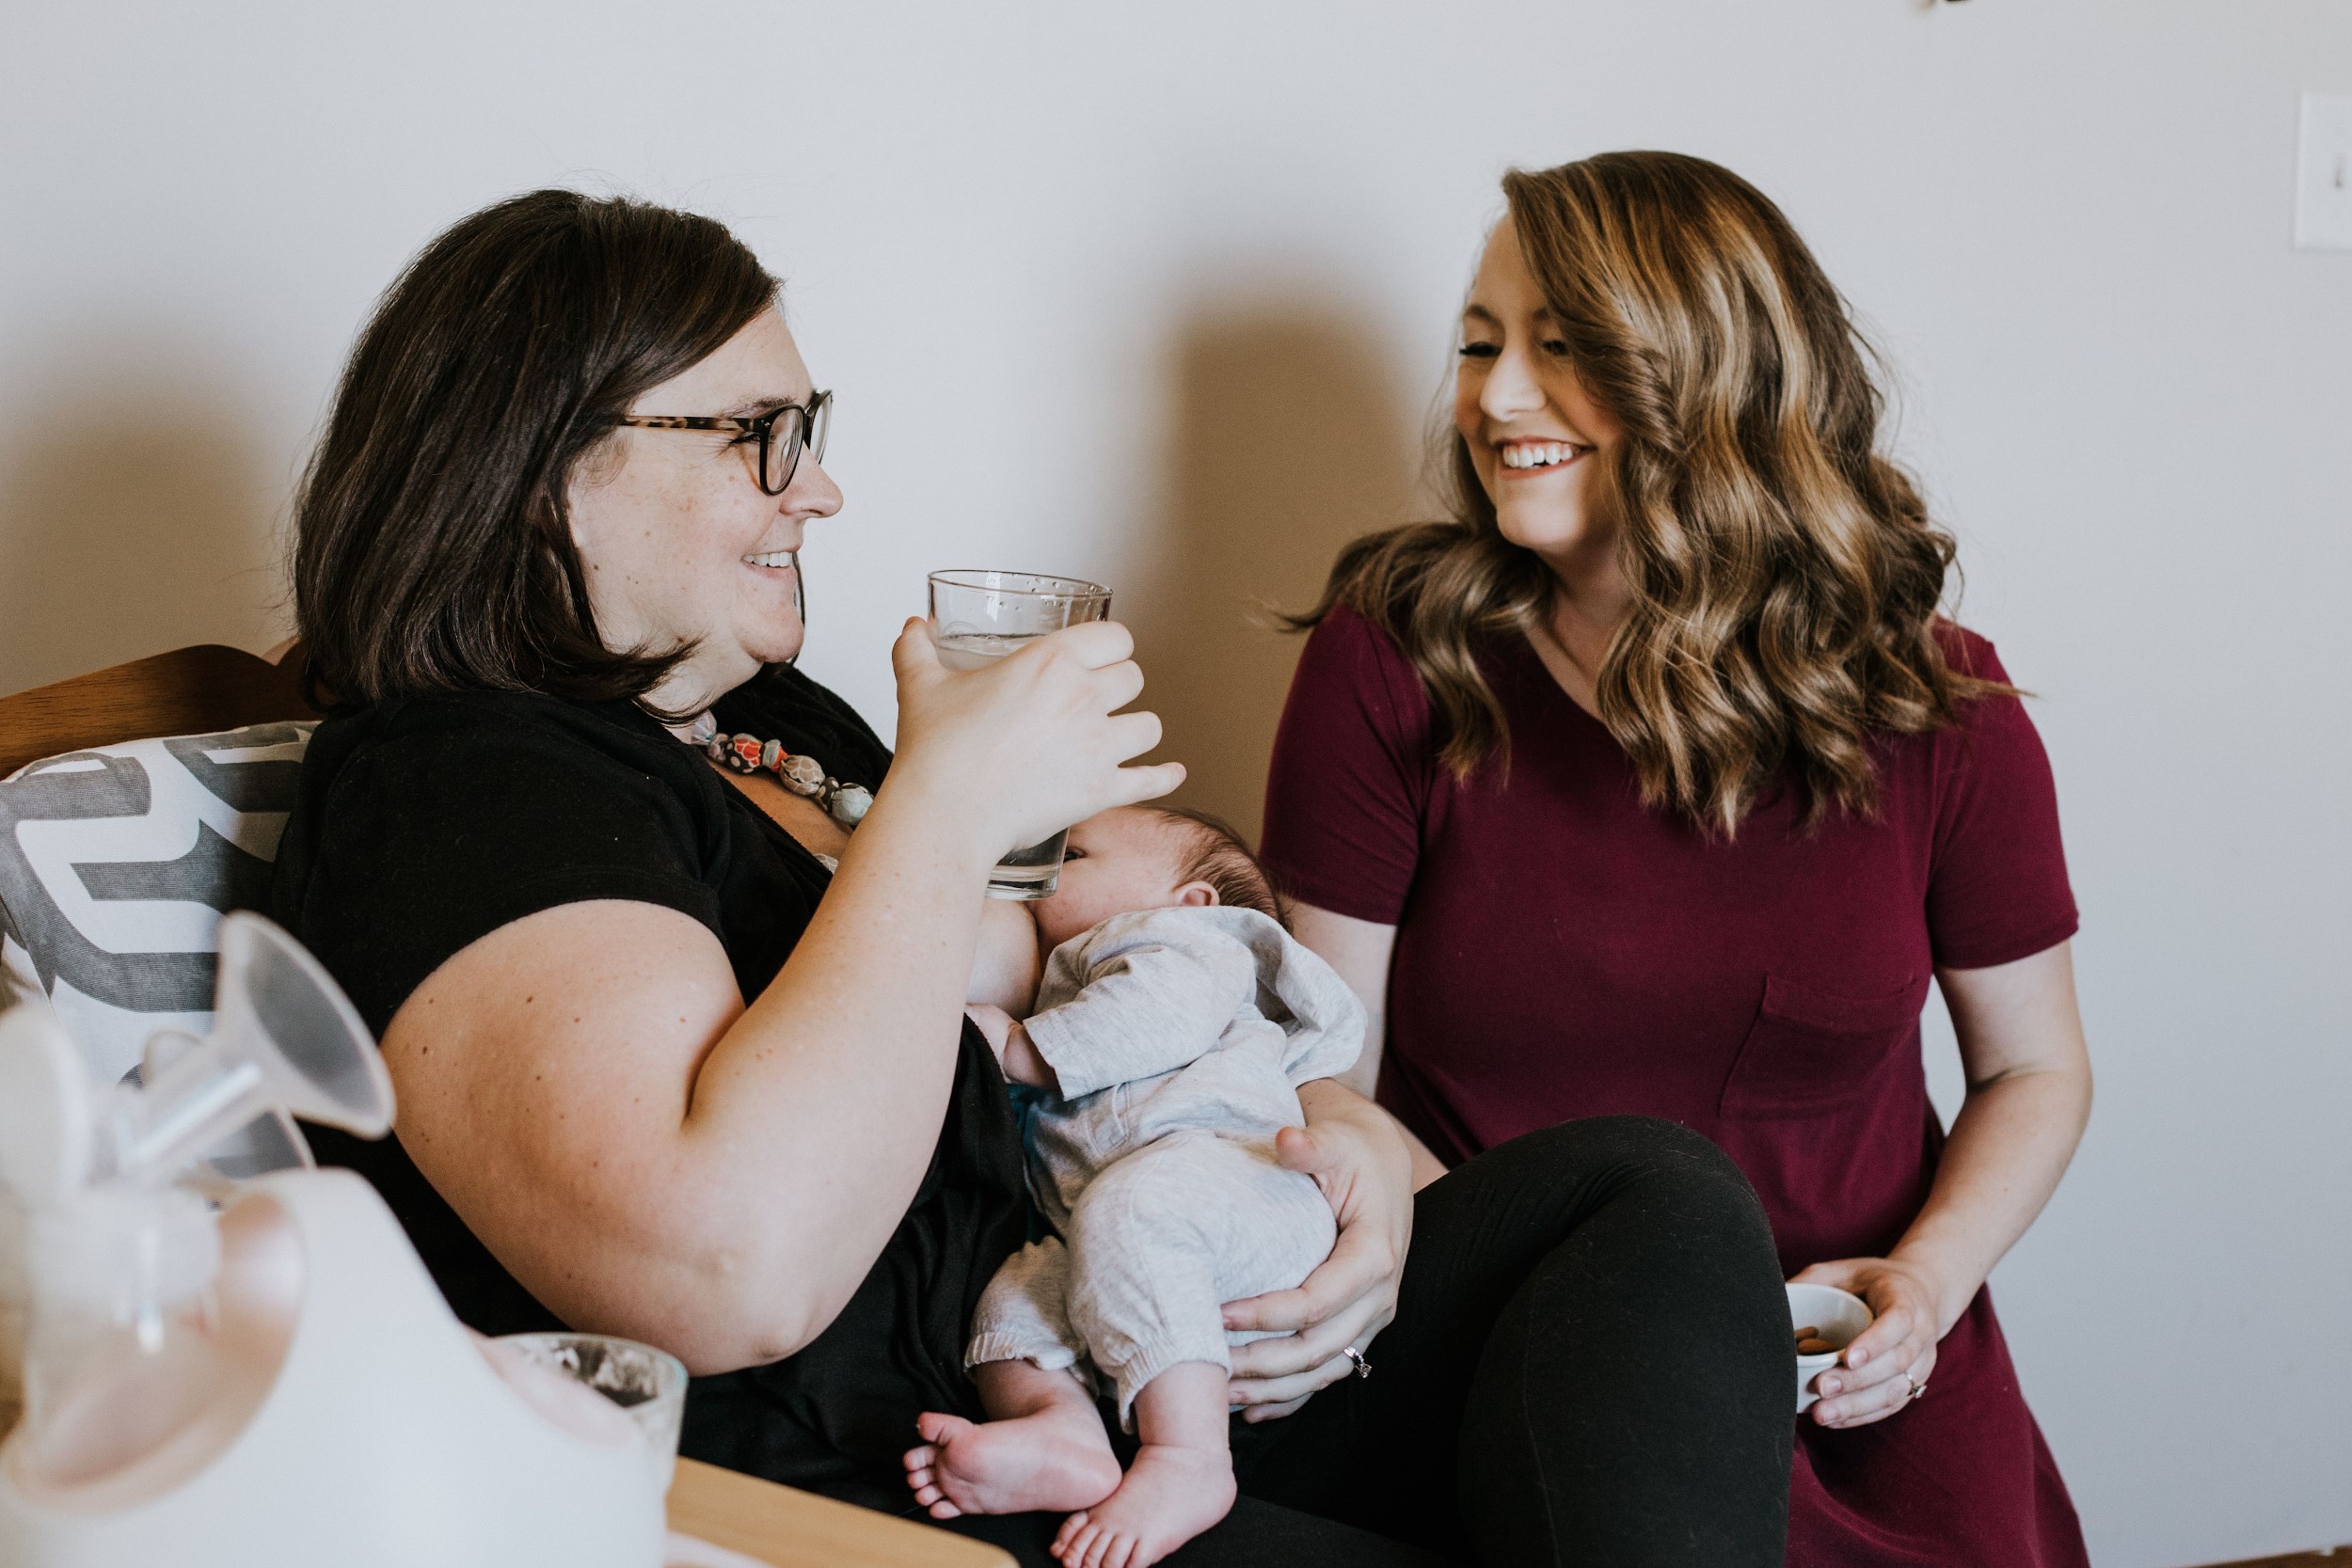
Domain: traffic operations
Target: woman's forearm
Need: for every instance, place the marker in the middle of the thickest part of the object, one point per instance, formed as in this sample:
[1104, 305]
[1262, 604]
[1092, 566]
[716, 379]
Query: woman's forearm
[863, 1021]
[1358, 951]
[1363, 1076]
[2021, 1043]
[2009, 1147]
[1427, 1167]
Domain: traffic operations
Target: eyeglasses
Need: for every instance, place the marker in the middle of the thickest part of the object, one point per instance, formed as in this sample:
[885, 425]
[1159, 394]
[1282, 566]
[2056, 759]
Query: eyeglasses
[782, 432]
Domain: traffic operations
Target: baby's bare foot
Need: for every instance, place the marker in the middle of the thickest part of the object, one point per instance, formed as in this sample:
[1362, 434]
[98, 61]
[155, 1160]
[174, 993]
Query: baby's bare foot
[1045, 1461]
[1169, 1496]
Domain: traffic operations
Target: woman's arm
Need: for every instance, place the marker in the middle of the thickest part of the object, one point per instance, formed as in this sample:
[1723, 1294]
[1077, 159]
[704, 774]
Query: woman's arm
[1359, 951]
[2021, 1043]
[1369, 1166]
[653, 1157]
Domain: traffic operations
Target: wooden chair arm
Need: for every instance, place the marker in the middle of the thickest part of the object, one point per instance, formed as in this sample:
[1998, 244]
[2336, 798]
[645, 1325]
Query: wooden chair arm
[186, 691]
[799, 1530]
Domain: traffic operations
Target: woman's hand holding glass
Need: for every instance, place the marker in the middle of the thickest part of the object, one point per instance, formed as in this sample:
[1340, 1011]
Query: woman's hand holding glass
[1016, 751]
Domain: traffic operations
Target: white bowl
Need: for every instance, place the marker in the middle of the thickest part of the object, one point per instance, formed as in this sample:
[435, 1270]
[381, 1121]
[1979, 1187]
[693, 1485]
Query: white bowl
[1838, 1316]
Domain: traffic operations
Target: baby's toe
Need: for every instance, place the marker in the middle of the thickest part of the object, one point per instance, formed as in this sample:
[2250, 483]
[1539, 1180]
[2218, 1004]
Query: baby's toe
[938, 1427]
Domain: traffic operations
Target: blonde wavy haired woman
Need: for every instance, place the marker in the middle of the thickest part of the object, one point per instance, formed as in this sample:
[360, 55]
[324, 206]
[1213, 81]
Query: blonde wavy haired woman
[1654, 780]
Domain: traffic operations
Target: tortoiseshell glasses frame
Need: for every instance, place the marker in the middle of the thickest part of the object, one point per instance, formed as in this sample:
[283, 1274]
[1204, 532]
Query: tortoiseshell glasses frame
[782, 434]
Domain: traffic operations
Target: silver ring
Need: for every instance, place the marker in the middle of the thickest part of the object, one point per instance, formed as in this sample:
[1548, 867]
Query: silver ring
[1918, 1386]
[1356, 1359]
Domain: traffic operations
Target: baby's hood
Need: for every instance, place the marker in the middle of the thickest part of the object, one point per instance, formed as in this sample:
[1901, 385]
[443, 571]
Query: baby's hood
[1322, 1020]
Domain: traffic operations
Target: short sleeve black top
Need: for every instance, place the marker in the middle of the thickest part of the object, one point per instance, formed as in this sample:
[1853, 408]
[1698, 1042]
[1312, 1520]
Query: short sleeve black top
[426, 823]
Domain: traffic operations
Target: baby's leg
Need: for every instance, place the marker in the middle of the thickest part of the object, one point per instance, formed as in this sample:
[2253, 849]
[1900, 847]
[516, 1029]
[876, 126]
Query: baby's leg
[1180, 1484]
[1044, 1446]
[1158, 1243]
[1165, 1236]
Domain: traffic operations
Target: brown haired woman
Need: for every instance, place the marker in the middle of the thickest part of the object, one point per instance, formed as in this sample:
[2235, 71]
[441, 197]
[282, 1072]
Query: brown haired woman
[680, 1057]
[1653, 783]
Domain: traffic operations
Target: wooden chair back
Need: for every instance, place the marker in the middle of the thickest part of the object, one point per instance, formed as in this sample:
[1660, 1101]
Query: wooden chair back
[186, 691]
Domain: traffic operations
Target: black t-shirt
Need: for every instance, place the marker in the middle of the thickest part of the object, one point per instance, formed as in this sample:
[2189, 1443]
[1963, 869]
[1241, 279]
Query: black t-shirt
[426, 823]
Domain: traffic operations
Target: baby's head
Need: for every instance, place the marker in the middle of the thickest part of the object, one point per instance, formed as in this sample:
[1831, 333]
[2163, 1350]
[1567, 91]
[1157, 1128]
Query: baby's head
[1151, 858]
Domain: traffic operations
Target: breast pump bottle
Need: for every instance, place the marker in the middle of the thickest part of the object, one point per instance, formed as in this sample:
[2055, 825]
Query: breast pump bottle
[279, 1383]
[133, 1378]
[122, 1352]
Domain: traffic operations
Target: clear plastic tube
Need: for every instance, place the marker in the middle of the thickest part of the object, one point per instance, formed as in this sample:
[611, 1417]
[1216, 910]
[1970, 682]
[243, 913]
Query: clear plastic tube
[120, 1354]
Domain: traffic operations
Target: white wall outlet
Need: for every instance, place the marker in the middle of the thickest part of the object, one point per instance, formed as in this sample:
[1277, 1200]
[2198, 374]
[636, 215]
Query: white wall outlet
[2323, 174]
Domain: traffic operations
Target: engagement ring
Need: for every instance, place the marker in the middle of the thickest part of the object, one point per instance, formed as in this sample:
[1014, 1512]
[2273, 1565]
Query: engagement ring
[1356, 1359]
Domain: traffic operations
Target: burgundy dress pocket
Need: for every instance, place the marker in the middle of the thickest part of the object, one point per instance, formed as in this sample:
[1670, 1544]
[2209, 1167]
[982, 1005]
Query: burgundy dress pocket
[1811, 1052]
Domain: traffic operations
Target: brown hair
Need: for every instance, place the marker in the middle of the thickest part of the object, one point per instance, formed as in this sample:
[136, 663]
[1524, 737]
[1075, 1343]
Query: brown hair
[1210, 851]
[433, 551]
[1785, 578]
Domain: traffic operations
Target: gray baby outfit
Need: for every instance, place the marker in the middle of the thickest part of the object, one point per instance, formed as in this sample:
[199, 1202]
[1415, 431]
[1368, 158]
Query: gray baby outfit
[1180, 1037]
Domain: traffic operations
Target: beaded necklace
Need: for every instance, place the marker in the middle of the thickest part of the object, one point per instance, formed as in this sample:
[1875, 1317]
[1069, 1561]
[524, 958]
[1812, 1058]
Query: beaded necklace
[802, 774]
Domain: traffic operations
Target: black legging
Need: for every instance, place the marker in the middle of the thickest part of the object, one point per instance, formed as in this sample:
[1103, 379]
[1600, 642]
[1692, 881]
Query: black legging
[1590, 1364]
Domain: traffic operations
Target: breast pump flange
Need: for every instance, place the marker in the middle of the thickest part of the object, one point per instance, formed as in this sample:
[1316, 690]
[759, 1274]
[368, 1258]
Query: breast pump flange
[376, 1436]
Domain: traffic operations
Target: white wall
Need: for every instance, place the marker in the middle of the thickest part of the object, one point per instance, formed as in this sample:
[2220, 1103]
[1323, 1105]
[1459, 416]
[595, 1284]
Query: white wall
[1163, 294]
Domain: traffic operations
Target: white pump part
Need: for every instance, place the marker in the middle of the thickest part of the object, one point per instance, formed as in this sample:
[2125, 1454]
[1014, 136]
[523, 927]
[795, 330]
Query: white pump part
[269, 1142]
[45, 1112]
[385, 1440]
[284, 1037]
[352, 1419]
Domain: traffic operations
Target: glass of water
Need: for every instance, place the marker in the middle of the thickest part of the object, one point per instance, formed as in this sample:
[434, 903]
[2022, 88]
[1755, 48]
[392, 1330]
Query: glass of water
[979, 617]
[648, 1385]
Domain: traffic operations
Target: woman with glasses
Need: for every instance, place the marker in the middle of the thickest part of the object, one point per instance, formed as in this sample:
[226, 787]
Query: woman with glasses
[680, 1055]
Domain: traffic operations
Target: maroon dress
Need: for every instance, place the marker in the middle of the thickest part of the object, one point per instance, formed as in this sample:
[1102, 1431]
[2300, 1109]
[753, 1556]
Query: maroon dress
[1562, 951]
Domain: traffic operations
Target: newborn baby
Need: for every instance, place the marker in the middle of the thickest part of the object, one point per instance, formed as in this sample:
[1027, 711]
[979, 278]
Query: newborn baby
[1175, 1019]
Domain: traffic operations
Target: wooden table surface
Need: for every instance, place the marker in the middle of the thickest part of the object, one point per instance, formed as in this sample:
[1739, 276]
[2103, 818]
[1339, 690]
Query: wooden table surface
[799, 1530]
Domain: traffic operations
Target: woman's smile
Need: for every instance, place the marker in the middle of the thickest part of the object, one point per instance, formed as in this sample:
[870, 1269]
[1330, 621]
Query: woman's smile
[1528, 457]
[781, 567]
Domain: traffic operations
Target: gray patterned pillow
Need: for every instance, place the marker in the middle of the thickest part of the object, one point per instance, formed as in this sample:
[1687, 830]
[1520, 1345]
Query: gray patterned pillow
[115, 866]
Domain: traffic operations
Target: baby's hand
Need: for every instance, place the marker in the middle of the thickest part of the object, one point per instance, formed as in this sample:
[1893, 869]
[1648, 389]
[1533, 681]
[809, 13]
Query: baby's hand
[1015, 1053]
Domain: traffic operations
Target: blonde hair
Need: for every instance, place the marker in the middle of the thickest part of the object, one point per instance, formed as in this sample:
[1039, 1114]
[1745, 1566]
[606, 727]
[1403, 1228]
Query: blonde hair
[1785, 578]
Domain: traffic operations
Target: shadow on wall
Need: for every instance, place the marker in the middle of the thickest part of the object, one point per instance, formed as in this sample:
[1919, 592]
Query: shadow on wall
[136, 514]
[1289, 435]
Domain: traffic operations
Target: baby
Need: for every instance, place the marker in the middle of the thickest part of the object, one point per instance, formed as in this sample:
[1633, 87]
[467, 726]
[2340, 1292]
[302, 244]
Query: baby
[1174, 1021]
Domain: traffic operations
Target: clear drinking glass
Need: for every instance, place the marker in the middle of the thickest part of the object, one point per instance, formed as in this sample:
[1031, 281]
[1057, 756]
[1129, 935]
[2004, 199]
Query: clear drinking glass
[648, 1385]
[979, 616]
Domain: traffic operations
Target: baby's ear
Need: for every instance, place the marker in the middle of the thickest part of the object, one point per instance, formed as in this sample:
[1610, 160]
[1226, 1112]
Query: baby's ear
[1194, 896]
